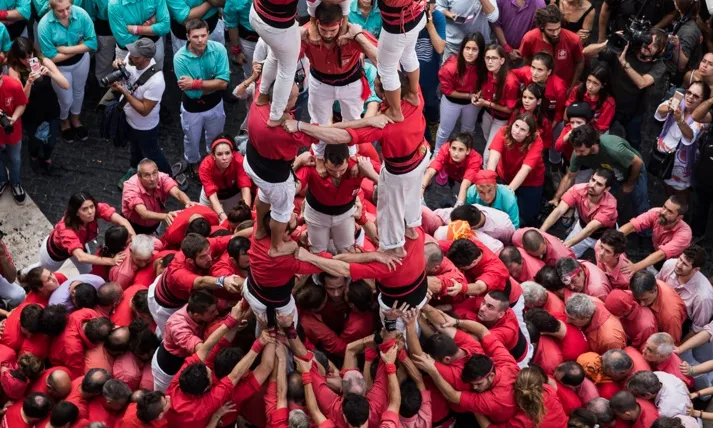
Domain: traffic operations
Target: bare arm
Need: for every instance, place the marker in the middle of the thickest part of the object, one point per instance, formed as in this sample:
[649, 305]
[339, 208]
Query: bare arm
[565, 184]
[702, 112]
[634, 170]
[583, 234]
[554, 216]
[328, 134]
[519, 178]
[603, 22]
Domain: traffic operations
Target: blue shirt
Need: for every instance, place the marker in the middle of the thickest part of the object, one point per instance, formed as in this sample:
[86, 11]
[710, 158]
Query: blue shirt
[213, 64]
[136, 12]
[372, 23]
[5, 41]
[428, 58]
[180, 9]
[505, 201]
[53, 34]
[22, 6]
[237, 13]
[97, 9]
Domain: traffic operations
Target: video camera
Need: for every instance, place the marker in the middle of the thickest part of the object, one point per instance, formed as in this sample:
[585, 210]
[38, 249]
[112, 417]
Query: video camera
[636, 34]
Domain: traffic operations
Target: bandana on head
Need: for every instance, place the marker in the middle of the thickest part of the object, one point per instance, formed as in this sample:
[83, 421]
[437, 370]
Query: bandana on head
[459, 229]
[485, 177]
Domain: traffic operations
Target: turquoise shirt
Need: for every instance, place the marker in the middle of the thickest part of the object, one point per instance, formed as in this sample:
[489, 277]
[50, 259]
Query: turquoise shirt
[213, 64]
[372, 23]
[136, 12]
[22, 6]
[505, 201]
[52, 33]
[5, 41]
[237, 12]
[180, 9]
[42, 6]
[97, 9]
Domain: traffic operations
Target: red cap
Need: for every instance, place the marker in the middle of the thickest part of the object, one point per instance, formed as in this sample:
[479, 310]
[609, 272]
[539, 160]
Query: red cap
[485, 176]
[619, 302]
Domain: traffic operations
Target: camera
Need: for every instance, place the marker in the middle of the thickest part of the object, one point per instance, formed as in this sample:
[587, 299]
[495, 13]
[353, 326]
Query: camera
[636, 34]
[115, 76]
[5, 123]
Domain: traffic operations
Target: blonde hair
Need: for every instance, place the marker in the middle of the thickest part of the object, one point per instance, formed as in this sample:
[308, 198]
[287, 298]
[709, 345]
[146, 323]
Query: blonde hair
[529, 388]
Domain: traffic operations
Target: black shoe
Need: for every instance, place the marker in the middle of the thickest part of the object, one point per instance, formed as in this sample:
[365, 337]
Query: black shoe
[18, 193]
[69, 135]
[82, 133]
[3, 187]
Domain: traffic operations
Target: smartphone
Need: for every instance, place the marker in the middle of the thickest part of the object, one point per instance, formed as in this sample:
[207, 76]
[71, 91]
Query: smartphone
[34, 64]
[460, 20]
[676, 100]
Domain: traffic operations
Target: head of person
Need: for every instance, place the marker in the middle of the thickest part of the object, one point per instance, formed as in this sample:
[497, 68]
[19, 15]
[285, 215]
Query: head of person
[355, 410]
[534, 243]
[688, 9]
[596, 85]
[542, 320]
[705, 67]
[672, 211]
[116, 395]
[59, 384]
[570, 373]
[195, 379]
[411, 399]
[54, 319]
[64, 414]
[21, 50]
[549, 21]
[624, 406]
[41, 280]
[147, 171]
[36, 407]
[197, 32]
[109, 295]
[644, 288]
[579, 310]
[335, 286]
[226, 360]
[464, 253]
[98, 329]
[548, 277]
[696, 94]
[28, 368]
[486, 185]
[144, 342]
[222, 149]
[118, 341]
[238, 248]
[202, 307]
[297, 418]
[141, 52]
[585, 140]
[668, 422]
[479, 372]
[471, 53]
[152, 406]
[522, 132]
[142, 248]
[654, 46]
[494, 307]
[468, 213]
[533, 294]
[295, 389]
[690, 261]
[336, 159]
[612, 244]
[658, 348]
[495, 61]
[160, 264]
[311, 296]
[353, 383]
[81, 210]
[442, 348]
[600, 182]
[116, 238]
[61, 9]
[239, 214]
[460, 147]
[403, 81]
[93, 382]
[529, 390]
[541, 67]
[571, 274]
[31, 319]
[512, 259]
[579, 113]
[620, 303]
[329, 18]
[644, 384]
[601, 409]
[140, 306]
[582, 418]
[617, 364]
[84, 295]
[531, 99]
[434, 257]
[196, 248]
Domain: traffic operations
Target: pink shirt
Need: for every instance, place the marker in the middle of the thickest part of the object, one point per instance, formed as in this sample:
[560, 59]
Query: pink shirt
[697, 294]
[587, 391]
[555, 247]
[133, 372]
[671, 241]
[604, 211]
[617, 278]
[423, 418]
[124, 273]
[530, 266]
[134, 194]
[596, 282]
[182, 334]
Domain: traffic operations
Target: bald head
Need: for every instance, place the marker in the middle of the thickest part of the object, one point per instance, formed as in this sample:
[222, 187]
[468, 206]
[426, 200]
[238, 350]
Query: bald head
[59, 384]
[109, 294]
[433, 254]
[353, 382]
[118, 341]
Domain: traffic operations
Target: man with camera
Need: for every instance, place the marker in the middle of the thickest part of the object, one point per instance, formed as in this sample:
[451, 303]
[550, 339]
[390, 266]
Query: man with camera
[141, 86]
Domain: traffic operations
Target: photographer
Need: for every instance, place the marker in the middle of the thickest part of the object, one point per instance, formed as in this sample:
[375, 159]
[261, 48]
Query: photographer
[658, 12]
[142, 103]
[13, 101]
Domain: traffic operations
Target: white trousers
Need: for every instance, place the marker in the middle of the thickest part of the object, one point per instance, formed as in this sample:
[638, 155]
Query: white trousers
[490, 127]
[52, 265]
[248, 48]
[321, 102]
[281, 63]
[104, 56]
[259, 309]
[400, 326]
[399, 202]
[159, 313]
[394, 49]
[208, 124]
[280, 196]
[217, 35]
[71, 100]
[161, 380]
[11, 291]
[321, 227]
[160, 48]
[450, 113]
[519, 310]
[227, 204]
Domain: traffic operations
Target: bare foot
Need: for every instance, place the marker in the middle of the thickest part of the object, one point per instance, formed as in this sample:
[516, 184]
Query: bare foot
[285, 249]
[397, 252]
[412, 98]
[396, 116]
[411, 233]
[262, 99]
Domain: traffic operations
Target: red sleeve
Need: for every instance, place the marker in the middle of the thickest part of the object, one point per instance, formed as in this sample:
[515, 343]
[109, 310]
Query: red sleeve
[326, 398]
[534, 154]
[359, 271]
[205, 174]
[526, 44]
[511, 92]
[441, 157]
[572, 96]
[561, 99]
[473, 166]
[358, 325]
[302, 175]
[606, 114]
[447, 76]
[105, 211]
[521, 74]
[498, 143]
[247, 386]
[466, 342]
[320, 334]
[220, 244]
[365, 135]
[497, 351]
[279, 418]
[569, 198]
[60, 277]
[270, 398]
[560, 144]
[389, 420]
[378, 396]
[37, 345]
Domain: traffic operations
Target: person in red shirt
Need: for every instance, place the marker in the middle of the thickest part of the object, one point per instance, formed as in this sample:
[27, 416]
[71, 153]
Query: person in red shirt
[540, 71]
[109, 406]
[223, 177]
[55, 382]
[541, 245]
[570, 339]
[14, 100]
[663, 300]
[578, 114]
[610, 253]
[460, 79]
[85, 388]
[198, 219]
[596, 92]
[133, 304]
[455, 162]
[639, 322]
[41, 283]
[516, 155]
[533, 101]
[234, 261]
[522, 266]
[636, 411]
[658, 352]
[148, 412]
[564, 45]
[34, 408]
[442, 276]
[538, 297]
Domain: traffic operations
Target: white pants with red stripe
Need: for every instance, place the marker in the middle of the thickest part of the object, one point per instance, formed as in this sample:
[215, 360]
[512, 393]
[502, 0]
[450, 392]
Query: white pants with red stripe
[312, 6]
[395, 49]
[399, 204]
[321, 102]
[281, 63]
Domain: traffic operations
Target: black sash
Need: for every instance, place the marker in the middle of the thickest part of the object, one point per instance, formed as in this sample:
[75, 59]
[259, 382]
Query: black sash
[328, 209]
[270, 170]
[413, 293]
[272, 297]
[169, 363]
[204, 103]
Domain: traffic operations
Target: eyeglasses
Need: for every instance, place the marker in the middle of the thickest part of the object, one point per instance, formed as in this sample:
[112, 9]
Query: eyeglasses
[692, 95]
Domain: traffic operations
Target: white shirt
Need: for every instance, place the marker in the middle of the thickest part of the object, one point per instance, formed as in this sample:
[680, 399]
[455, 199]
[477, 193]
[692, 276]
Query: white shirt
[151, 90]
[697, 294]
[497, 226]
[672, 399]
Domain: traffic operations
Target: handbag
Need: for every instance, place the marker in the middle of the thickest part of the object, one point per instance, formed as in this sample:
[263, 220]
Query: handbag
[661, 164]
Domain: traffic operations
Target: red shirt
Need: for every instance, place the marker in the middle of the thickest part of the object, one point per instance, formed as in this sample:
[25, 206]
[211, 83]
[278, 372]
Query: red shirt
[68, 240]
[69, 347]
[323, 189]
[216, 181]
[177, 230]
[97, 412]
[567, 52]
[75, 397]
[335, 64]
[574, 343]
[452, 372]
[548, 354]
[274, 143]
[508, 97]
[602, 115]
[466, 169]
[530, 267]
[569, 399]
[40, 385]
[390, 419]
[13, 416]
[12, 336]
[123, 314]
[555, 247]
[648, 414]
[563, 146]
[131, 420]
[490, 269]
[555, 92]
[12, 96]
[275, 271]
[323, 335]
[225, 266]
[672, 365]
[447, 272]
[603, 211]
[544, 125]
[512, 158]
[554, 417]
[451, 81]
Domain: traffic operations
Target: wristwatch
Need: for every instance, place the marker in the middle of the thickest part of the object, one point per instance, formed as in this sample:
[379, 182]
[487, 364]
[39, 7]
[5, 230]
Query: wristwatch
[219, 282]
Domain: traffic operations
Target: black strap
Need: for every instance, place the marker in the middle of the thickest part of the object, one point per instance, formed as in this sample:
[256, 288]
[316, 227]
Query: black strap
[139, 82]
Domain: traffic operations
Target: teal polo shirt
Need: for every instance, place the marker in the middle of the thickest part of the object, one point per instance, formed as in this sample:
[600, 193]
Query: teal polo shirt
[505, 201]
[5, 41]
[180, 9]
[372, 23]
[213, 64]
[237, 13]
[52, 33]
[22, 6]
[42, 6]
[136, 12]
[97, 9]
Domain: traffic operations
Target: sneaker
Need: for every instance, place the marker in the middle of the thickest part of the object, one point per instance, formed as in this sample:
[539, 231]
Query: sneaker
[69, 135]
[3, 187]
[81, 133]
[130, 173]
[18, 193]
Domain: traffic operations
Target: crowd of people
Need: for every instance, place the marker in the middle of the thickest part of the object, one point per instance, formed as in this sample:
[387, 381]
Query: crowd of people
[310, 283]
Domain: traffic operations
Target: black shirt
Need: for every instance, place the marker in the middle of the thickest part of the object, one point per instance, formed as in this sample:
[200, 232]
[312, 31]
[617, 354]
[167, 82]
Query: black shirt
[630, 100]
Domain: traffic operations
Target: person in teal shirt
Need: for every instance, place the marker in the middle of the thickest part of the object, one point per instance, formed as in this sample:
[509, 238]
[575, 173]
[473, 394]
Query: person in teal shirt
[131, 19]
[366, 13]
[243, 37]
[203, 75]
[498, 196]
[15, 14]
[66, 35]
[183, 10]
[104, 55]
[5, 42]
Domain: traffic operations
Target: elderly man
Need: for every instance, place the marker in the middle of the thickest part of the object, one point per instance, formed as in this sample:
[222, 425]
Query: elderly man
[658, 352]
[610, 253]
[600, 407]
[488, 193]
[537, 296]
[603, 330]
[541, 245]
[522, 266]
[144, 197]
[665, 303]
[666, 391]
[140, 254]
[583, 277]
[618, 365]
[639, 322]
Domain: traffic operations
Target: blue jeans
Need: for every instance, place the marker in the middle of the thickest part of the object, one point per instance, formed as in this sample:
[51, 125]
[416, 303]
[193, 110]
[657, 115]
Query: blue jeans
[41, 149]
[144, 144]
[10, 159]
[528, 201]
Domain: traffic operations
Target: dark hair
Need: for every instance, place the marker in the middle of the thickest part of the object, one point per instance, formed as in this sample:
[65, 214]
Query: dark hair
[31, 318]
[581, 417]
[550, 14]
[688, 9]
[94, 381]
[140, 302]
[524, 146]
[480, 68]
[667, 422]
[607, 175]
[150, 406]
[118, 341]
[476, 367]
[22, 48]
[360, 294]
[534, 333]
[532, 240]
[85, 296]
[64, 413]
[28, 367]
[463, 252]
[572, 373]
[98, 329]
[167, 259]
[200, 301]
[238, 246]
[548, 277]
[196, 24]
[614, 239]
[109, 294]
[467, 212]
[584, 135]
[54, 319]
[220, 232]
[545, 58]
[310, 296]
[681, 202]
[143, 341]
[194, 379]
[696, 254]
[410, 399]
[116, 390]
[328, 14]
[239, 213]
[37, 405]
[355, 409]
[441, 346]
[465, 138]
[542, 320]
[71, 215]
[336, 154]
[502, 73]
[226, 360]
[644, 382]
[115, 239]
[538, 91]
[601, 73]
[643, 282]
[510, 255]
[704, 87]
[199, 226]
[622, 402]
[501, 297]
[33, 278]
[223, 136]
[193, 244]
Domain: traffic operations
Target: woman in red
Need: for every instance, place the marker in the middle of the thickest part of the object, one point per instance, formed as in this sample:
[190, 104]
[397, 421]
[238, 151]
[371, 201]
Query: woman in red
[224, 180]
[459, 81]
[595, 92]
[516, 155]
[69, 238]
[456, 163]
[498, 95]
[531, 102]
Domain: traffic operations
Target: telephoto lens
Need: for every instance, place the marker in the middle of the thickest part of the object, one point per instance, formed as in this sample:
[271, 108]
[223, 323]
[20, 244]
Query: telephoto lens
[114, 76]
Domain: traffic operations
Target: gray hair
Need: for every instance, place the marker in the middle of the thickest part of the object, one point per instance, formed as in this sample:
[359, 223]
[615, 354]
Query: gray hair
[534, 294]
[580, 306]
[142, 245]
[664, 344]
[600, 407]
[298, 419]
[116, 390]
[353, 382]
[643, 383]
[616, 362]
[565, 266]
